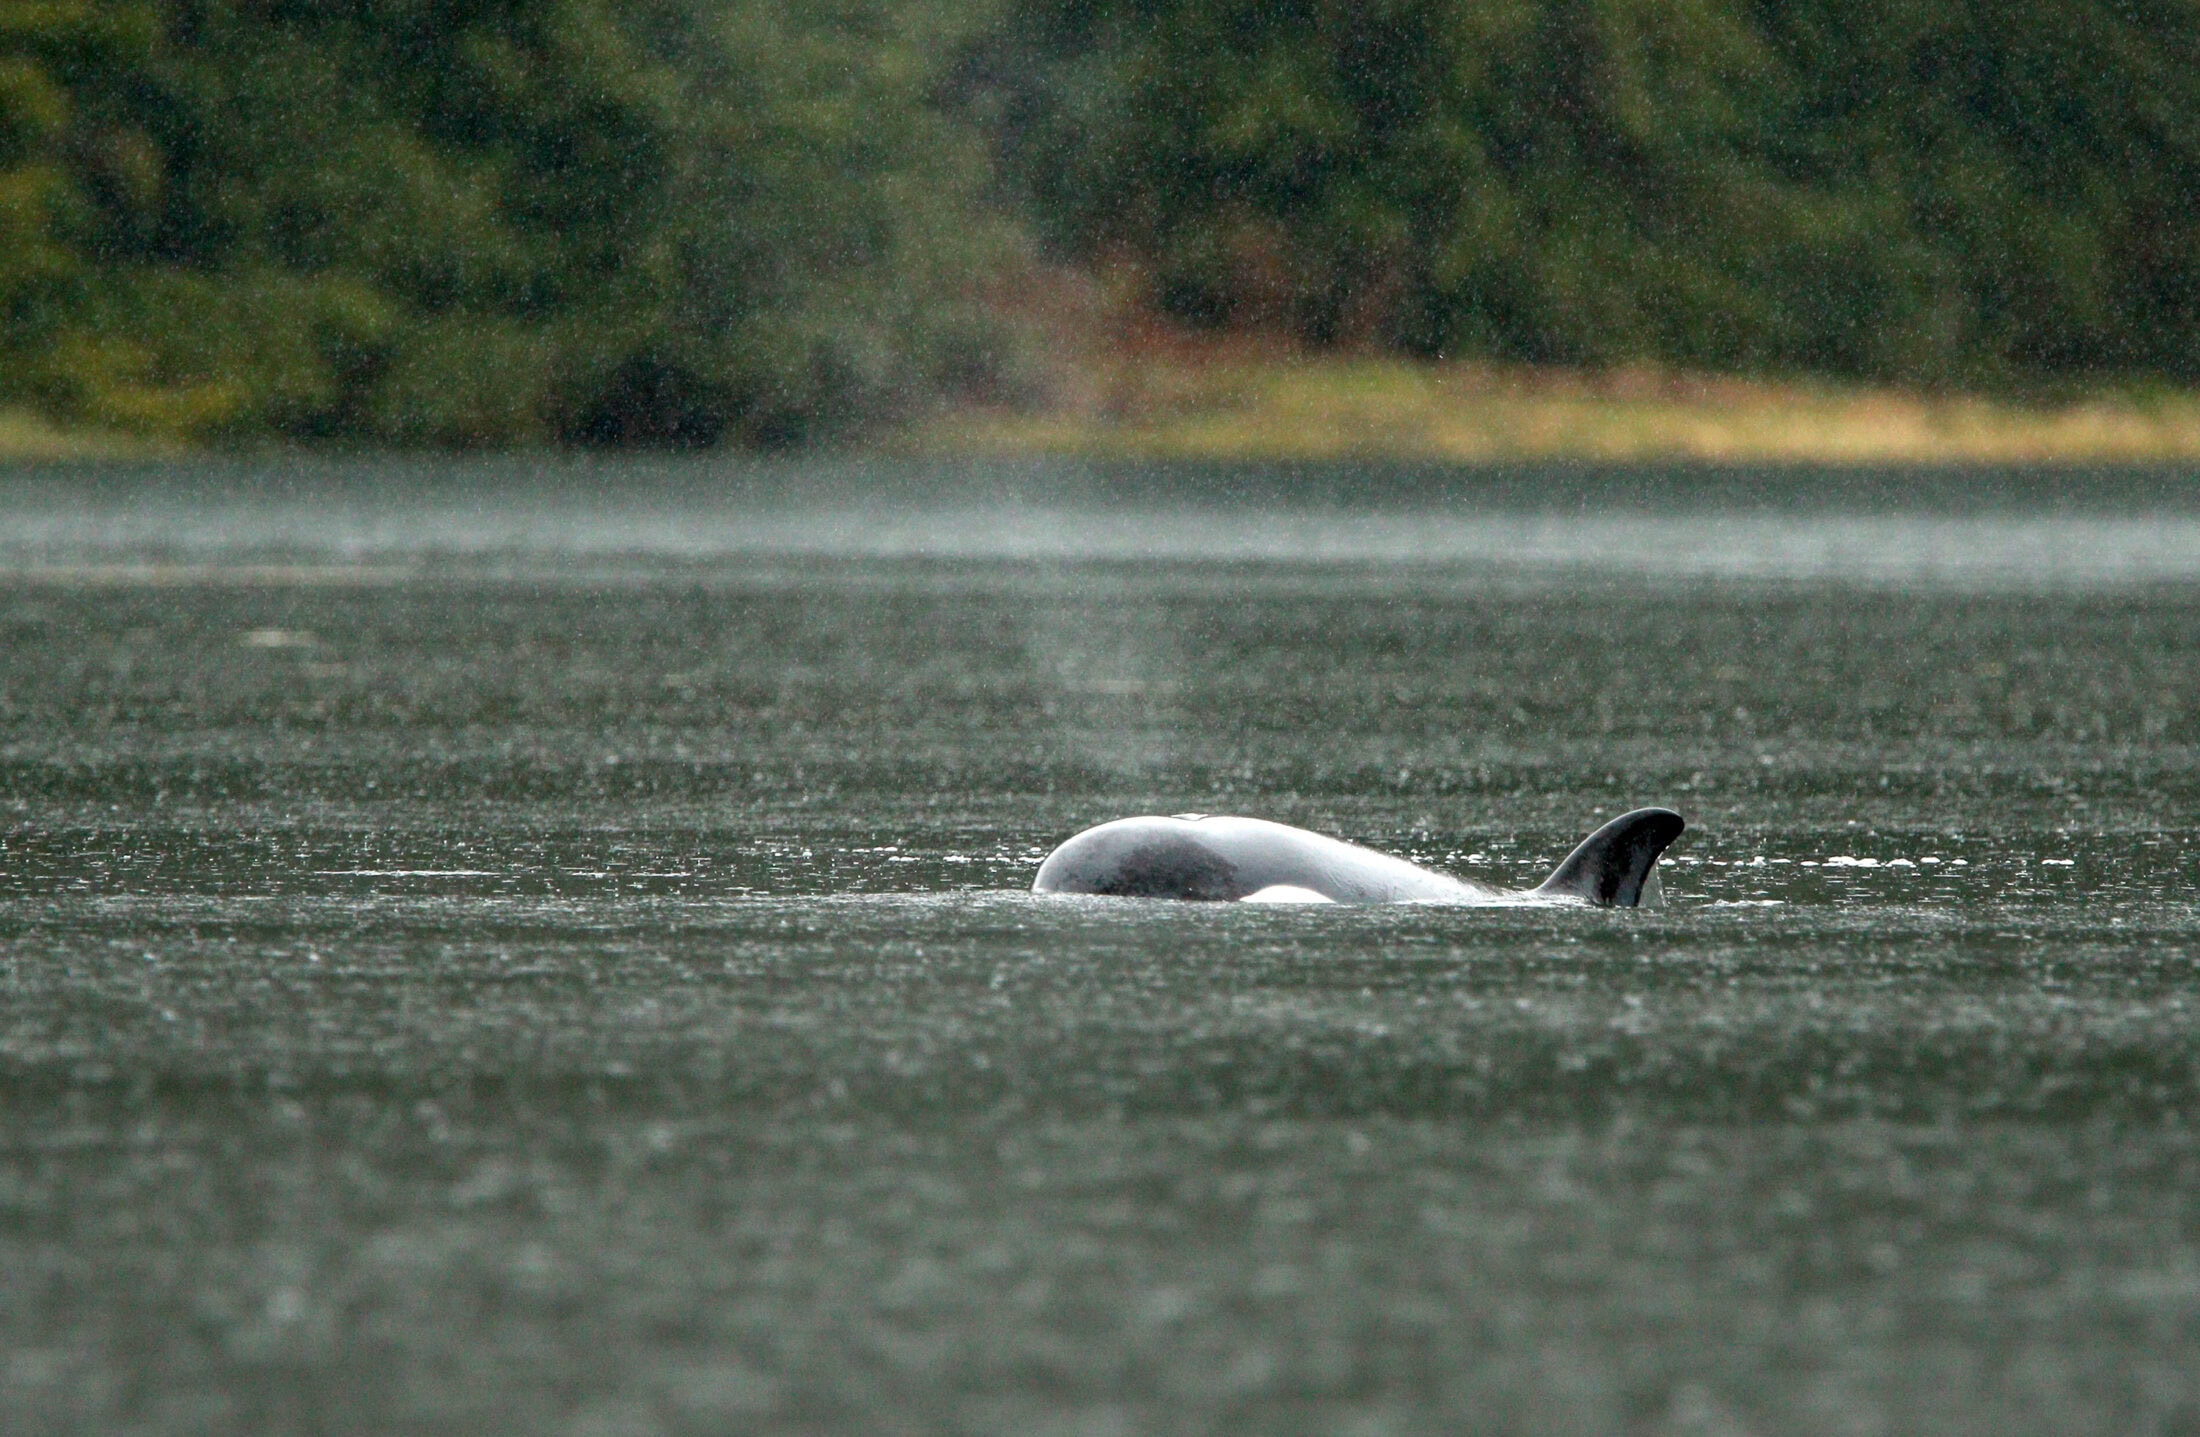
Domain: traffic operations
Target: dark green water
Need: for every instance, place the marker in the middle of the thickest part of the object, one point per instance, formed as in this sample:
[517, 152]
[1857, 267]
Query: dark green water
[492, 952]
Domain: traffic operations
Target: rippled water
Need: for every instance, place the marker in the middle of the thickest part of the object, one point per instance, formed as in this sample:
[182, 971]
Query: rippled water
[493, 949]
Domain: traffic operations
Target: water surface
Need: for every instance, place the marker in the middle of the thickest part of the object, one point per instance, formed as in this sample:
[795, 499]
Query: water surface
[543, 948]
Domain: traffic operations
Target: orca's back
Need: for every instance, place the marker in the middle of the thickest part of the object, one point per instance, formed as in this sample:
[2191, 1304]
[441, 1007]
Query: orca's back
[1222, 858]
[1126, 860]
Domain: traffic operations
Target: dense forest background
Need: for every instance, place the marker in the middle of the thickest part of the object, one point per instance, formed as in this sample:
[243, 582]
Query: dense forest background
[490, 222]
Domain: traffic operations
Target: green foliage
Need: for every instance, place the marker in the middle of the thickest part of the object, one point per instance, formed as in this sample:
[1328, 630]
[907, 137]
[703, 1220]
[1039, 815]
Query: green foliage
[1929, 189]
[482, 221]
[490, 222]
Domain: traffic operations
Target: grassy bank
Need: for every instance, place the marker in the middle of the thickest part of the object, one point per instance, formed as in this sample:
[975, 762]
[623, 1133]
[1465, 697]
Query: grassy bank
[1188, 404]
[30, 438]
[1287, 407]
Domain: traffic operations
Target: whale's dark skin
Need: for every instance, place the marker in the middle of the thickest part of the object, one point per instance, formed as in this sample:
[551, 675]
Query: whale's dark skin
[1222, 859]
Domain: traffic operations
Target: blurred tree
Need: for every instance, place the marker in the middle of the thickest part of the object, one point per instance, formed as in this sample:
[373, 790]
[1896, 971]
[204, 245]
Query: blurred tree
[483, 221]
[679, 221]
[1930, 189]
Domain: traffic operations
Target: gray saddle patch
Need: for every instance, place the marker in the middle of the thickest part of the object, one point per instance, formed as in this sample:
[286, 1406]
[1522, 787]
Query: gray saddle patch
[1170, 868]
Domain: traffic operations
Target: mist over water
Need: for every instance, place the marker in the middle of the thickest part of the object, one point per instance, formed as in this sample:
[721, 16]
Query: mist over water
[489, 949]
[1879, 527]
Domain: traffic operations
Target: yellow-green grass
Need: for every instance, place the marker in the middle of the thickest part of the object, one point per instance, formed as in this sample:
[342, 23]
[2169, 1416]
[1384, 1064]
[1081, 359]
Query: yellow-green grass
[1287, 407]
[29, 437]
[1296, 408]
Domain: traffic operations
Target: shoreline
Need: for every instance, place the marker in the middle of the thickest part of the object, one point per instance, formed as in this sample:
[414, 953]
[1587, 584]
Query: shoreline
[1357, 407]
[28, 437]
[1195, 404]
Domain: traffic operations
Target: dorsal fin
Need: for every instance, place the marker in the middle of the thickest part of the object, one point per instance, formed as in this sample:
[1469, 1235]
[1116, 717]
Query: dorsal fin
[1612, 864]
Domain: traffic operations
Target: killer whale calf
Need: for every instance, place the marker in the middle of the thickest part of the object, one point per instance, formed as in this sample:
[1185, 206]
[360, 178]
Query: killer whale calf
[1250, 860]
